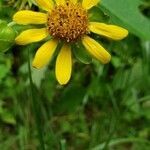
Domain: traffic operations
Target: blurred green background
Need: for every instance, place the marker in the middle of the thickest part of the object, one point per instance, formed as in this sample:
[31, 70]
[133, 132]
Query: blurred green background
[102, 107]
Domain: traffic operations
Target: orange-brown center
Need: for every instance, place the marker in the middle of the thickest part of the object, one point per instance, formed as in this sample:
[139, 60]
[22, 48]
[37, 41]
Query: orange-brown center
[68, 22]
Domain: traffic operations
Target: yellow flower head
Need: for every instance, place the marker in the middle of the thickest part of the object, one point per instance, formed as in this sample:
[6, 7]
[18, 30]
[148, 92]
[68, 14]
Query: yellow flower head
[68, 21]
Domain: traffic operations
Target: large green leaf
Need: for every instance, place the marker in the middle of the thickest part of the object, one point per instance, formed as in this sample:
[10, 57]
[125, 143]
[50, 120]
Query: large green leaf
[127, 14]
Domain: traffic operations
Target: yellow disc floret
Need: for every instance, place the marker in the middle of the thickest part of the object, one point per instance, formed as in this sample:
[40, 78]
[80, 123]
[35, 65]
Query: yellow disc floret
[68, 22]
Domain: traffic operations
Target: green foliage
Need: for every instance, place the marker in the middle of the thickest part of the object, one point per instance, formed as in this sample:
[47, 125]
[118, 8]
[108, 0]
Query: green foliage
[103, 106]
[81, 54]
[7, 36]
[128, 14]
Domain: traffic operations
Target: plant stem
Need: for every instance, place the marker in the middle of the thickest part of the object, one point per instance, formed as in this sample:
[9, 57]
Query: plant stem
[116, 142]
[35, 107]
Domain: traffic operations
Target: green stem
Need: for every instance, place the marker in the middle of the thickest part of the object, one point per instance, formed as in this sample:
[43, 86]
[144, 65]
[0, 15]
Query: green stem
[121, 141]
[11, 24]
[113, 100]
[113, 123]
[63, 144]
[35, 107]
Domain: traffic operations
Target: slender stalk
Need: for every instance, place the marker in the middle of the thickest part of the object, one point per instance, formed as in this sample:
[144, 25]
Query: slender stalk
[113, 124]
[113, 100]
[111, 133]
[63, 144]
[35, 107]
[116, 142]
[11, 24]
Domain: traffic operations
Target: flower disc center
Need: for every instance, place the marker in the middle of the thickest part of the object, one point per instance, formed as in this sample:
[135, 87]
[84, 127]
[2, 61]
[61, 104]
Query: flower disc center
[68, 22]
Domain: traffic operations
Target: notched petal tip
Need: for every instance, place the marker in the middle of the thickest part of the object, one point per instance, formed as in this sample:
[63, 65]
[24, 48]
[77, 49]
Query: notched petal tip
[31, 35]
[107, 59]
[125, 33]
[35, 65]
[18, 41]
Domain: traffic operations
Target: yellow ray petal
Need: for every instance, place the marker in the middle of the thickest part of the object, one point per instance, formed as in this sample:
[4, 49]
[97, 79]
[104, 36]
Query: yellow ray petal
[45, 4]
[74, 1]
[87, 4]
[29, 17]
[96, 50]
[60, 2]
[31, 35]
[110, 31]
[44, 54]
[64, 65]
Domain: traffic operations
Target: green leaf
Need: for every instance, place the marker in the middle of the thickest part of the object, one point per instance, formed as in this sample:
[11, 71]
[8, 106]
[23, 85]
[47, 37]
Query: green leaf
[127, 14]
[116, 61]
[81, 54]
[37, 74]
[7, 116]
[96, 14]
[71, 98]
[3, 71]
[7, 36]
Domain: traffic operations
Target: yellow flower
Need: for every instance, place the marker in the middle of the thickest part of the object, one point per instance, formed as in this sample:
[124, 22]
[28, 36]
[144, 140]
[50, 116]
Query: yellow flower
[65, 21]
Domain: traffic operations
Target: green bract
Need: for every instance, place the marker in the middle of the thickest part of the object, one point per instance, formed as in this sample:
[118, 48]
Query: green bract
[7, 36]
[81, 54]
